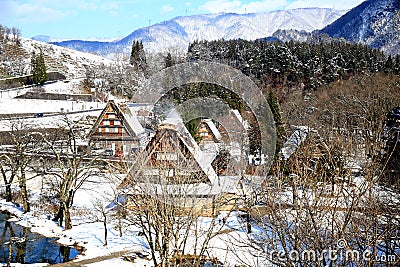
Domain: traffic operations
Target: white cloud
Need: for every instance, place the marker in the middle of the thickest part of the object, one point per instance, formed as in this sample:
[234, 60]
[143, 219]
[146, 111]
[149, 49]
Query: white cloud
[166, 9]
[66, 4]
[35, 13]
[134, 16]
[45, 11]
[112, 6]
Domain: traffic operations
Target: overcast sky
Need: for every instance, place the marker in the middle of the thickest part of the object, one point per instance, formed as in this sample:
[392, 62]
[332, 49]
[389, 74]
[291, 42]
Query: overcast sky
[105, 19]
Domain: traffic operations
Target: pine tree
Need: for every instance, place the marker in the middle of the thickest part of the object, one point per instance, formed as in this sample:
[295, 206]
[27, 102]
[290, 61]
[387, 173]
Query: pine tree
[133, 56]
[138, 56]
[396, 65]
[276, 112]
[391, 158]
[34, 67]
[38, 68]
[168, 60]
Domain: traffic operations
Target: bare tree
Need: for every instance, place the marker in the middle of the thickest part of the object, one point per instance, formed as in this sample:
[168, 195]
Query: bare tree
[2, 31]
[100, 206]
[16, 34]
[7, 32]
[173, 232]
[8, 171]
[24, 144]
[74, 166]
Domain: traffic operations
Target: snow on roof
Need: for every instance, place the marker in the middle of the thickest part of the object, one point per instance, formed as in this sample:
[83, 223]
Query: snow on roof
[131, 119]
[213, 128]
[174, 121]
[173, 114]
[217, 184]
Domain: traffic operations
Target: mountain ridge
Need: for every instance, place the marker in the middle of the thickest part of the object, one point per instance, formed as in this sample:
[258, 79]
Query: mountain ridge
[374, 22]
[178, 32]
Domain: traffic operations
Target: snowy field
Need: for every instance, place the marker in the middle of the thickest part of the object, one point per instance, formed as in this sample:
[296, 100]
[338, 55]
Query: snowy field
[19, 106]
[45, 121]
[10, 105]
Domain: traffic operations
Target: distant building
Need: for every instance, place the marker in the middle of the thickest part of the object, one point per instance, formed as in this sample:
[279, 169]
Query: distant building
[233, 130]
[207, 131]
[143, 112]
[117, 129]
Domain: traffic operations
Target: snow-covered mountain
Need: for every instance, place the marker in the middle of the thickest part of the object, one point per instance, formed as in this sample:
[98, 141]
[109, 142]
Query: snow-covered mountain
[374, 22]
[179, 32]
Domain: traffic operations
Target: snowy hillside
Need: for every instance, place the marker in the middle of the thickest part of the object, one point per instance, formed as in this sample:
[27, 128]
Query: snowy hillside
[180, 31]
[69, 62]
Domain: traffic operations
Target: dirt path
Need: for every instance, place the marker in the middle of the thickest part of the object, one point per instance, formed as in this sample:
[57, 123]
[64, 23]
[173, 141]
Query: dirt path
[116, 254]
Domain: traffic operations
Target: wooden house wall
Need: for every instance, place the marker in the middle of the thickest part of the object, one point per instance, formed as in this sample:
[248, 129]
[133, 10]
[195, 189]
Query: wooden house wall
[204, 133]
[111, 133]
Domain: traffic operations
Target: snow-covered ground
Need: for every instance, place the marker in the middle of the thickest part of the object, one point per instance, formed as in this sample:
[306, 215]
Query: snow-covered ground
[53, 121]
[11, 105]
[88, 231]
[18, 106]
[64, 87]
